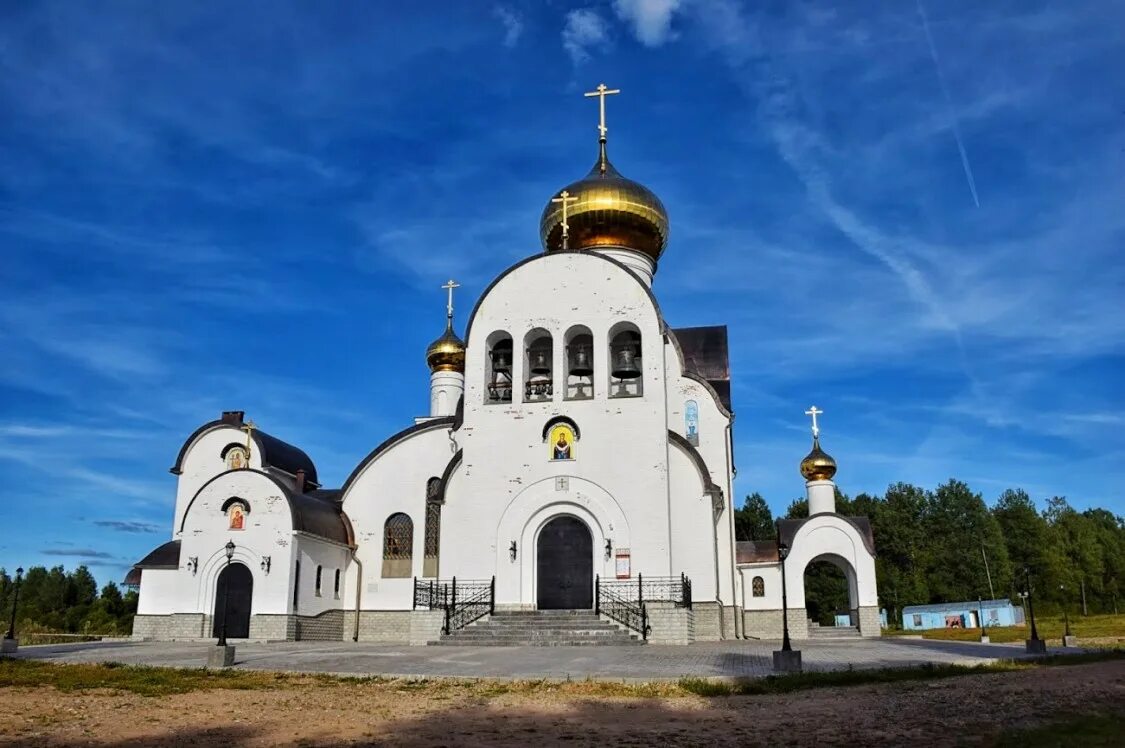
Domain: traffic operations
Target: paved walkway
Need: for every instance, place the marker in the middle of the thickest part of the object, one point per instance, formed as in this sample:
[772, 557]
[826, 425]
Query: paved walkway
[732, 659]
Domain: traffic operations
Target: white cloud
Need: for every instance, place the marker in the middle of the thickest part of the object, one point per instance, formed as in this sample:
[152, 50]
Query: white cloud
[650, 20]
[584, 28]
[512, 23]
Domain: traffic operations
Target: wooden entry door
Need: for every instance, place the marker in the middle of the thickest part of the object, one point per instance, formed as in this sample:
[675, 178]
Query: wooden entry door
[565, 565]
[236, 588]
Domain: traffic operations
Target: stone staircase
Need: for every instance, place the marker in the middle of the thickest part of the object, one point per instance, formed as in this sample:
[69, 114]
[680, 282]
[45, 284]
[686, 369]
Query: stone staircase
[816, 631]
[541, 628]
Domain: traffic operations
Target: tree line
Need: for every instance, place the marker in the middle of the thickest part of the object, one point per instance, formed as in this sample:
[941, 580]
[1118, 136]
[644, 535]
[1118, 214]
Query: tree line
[55, 600]
[948, 545]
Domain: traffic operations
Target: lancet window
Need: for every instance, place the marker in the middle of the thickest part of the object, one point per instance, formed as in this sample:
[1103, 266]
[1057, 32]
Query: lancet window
[625, 369]
[398, 546]
[579, 364]
[432, 538]
[538, 367]
[499, 375]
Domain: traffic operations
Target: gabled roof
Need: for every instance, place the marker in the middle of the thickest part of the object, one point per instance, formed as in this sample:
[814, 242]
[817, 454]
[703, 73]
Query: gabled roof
[706, 355]
[788, 528]
[755, 551]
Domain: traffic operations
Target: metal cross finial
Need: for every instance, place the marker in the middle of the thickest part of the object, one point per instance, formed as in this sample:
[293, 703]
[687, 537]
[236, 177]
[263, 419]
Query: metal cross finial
[564, 198]
[601, 93]
[449, 286]
[248, 427]
[814, 413]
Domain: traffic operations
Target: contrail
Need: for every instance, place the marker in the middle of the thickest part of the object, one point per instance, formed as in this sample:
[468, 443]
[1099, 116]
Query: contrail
[949, 104]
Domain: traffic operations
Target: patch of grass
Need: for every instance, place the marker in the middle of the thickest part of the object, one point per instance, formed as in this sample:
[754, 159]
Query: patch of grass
[1089, 731]
[1049, 627]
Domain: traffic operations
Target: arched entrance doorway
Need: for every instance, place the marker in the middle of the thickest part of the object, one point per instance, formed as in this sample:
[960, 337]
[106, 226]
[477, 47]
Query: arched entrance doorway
[565, 565]
[830, 591]
[236, 588]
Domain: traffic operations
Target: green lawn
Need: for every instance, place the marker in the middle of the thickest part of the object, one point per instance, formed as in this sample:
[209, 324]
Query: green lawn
[1050, 627]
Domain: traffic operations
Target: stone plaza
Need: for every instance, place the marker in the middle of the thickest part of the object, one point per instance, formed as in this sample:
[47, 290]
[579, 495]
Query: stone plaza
[715, 660]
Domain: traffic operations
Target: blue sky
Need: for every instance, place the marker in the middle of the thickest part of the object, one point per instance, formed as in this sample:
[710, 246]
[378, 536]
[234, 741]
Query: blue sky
[910, 216]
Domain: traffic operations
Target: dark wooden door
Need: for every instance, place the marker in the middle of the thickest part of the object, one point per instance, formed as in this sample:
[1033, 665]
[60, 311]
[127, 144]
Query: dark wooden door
[235, 588]
[566, 565]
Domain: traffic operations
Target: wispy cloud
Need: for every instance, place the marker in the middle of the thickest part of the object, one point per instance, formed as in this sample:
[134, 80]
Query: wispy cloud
[649, 20]
[130, 526]
[584, 29]
[512, 23]
[77, 552]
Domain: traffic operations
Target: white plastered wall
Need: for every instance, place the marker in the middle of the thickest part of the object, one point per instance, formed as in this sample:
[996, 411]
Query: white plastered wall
[329, 556]
[771, 578]
[828, 537]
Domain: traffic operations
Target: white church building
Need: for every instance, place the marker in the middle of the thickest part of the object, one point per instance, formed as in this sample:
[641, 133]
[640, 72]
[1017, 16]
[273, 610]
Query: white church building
[576, 456]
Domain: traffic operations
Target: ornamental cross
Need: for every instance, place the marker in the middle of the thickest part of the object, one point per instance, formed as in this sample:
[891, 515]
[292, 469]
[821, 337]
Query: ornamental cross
[248, 427]
[449, 286]
[814, 413]
[565, 198]
[601, 93]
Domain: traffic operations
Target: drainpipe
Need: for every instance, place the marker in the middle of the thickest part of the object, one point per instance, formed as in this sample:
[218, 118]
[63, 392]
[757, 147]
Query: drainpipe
[739, 633]
[358, 592]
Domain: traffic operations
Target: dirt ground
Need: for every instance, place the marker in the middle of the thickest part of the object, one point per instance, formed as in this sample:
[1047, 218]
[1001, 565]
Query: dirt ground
[952, 711]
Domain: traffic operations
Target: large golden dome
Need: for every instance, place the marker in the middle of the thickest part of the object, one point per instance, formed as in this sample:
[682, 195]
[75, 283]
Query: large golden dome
[611, 211]
[818, 464]
[447, 353]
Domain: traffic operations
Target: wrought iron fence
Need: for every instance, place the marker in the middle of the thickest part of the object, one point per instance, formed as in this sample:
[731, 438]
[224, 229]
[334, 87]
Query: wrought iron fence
[625, 600]
[463, 601]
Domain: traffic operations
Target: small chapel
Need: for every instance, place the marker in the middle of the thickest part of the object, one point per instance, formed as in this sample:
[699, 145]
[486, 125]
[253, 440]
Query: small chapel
[571, 482]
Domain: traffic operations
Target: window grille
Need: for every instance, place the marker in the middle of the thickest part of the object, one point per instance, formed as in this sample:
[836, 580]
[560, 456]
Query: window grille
[758, 587]
[398, 538]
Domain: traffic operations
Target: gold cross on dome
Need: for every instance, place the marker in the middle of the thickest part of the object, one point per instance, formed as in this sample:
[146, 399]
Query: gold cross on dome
[248, 427]
[814, 413]
[565, 198]
[449, 286]
[601, 93]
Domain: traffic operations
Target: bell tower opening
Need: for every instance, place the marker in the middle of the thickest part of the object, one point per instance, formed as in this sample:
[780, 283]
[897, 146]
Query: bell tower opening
[626, 378]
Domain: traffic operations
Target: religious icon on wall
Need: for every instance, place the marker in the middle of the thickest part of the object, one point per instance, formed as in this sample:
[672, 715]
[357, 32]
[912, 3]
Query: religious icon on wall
[237, 516]
[562, 442]
[236, 458]
[691, 422]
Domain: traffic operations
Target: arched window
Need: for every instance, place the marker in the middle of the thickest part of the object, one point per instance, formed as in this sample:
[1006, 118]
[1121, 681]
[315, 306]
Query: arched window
[319, 577]
[432, 536]
[758, 587]
[297, 586]
[336, 586]
[539, 364]
[625, 369]
[398, 546]
[579, 364]
[498, 380]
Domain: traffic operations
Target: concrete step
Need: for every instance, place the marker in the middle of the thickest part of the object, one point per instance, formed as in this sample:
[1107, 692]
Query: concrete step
[834, 632]
[498, 642]
[541, 628]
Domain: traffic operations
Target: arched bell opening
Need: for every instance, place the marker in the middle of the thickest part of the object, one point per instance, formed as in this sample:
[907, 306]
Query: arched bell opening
[498, 377]
[579, 363]
[625, 370]
[830, 591]
[234, 593]
[538, 366]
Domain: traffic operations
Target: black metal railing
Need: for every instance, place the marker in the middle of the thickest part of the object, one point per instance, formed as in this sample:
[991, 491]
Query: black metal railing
[625, 600]
[463, 601]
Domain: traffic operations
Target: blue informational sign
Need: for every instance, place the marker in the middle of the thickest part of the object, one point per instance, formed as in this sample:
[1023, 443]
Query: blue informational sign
[691, 421]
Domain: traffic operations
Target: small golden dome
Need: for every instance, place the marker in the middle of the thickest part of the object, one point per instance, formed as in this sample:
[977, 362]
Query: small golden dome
[447, 353]
[818, 464]
[610, 211]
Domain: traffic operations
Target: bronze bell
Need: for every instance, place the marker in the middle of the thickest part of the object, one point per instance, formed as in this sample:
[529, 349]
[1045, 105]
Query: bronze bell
[501, 360]
[580, 364]
[540, 360]
[625, 363]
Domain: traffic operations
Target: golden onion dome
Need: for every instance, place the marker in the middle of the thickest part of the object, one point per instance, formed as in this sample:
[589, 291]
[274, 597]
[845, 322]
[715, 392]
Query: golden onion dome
[818, 464]
[610, 211]
[447, 353]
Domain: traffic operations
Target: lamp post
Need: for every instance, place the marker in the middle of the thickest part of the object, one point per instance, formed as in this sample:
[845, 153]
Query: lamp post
[783, 553]
[226, 594]
[785, 659]
[11, 633]
[1068, 639]
[1034, 645]
[983, 631]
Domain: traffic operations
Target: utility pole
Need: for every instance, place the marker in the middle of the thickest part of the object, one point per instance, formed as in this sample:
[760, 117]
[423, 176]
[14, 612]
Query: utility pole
[1084, 597]
[988, 573]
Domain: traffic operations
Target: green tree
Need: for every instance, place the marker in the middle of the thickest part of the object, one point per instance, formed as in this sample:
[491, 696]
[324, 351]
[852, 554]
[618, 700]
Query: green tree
[902, 547]
[961, 533]
[754, 521]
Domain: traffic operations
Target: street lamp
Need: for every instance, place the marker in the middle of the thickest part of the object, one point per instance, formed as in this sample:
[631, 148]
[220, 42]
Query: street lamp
[980, 613]
[783, 553]
[11, 634]
[226, 594]
[1034, 645]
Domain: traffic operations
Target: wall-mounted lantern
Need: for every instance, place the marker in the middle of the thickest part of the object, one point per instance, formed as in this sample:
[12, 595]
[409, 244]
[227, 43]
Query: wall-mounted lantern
[608, 548]
[512, 550]
[193, 564]
[266, 564]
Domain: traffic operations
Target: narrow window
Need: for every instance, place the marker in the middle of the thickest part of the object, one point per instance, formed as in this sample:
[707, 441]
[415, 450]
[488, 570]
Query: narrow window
[499, 364]
[398, 546]
[297, 585]
[758, 587]
[432, 538]
[319, 574]
[336, 586]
